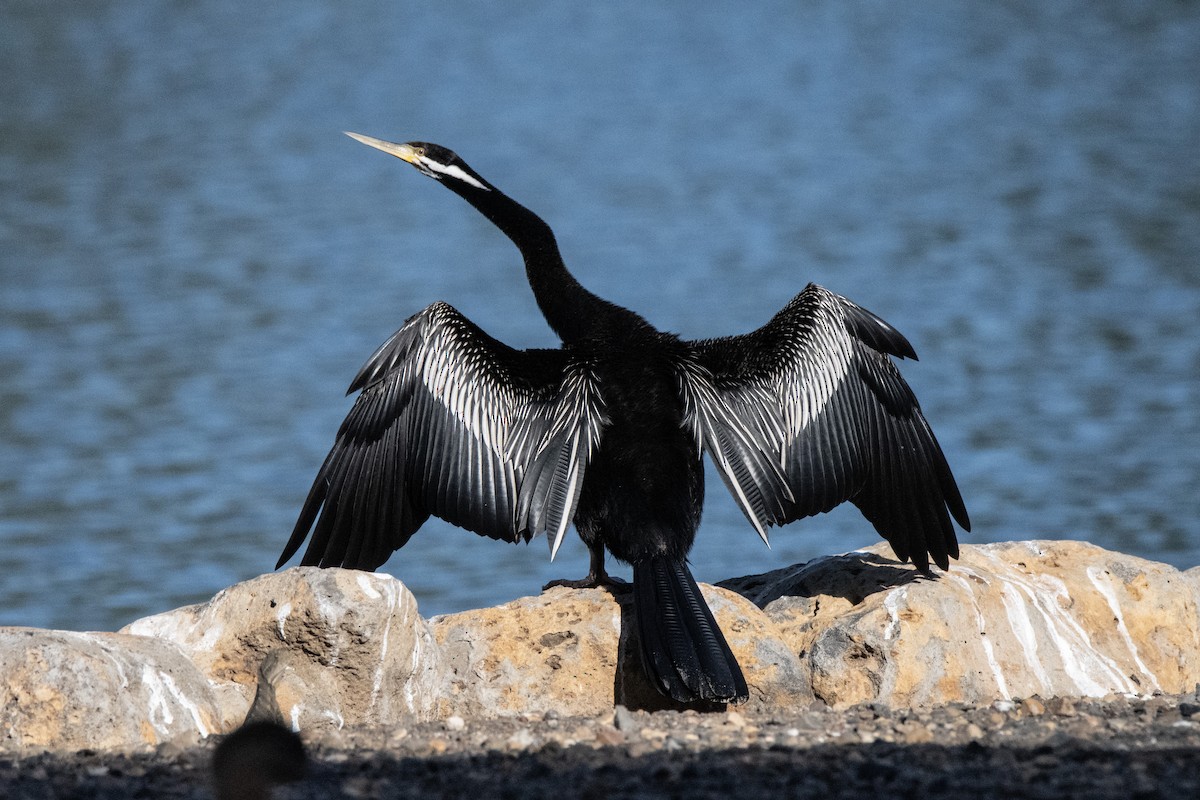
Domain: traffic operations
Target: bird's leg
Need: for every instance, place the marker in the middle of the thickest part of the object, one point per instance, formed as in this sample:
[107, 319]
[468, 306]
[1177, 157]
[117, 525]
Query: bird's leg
[597, 576]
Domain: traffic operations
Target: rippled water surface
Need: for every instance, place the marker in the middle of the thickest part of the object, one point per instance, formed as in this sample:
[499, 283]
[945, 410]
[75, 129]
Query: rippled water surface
[194, 261]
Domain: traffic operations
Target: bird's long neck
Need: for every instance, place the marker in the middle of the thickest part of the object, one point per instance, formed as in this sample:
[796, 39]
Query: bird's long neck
[569, 308]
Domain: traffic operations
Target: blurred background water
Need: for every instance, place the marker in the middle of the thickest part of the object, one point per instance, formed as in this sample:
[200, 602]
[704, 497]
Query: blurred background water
[194, 261]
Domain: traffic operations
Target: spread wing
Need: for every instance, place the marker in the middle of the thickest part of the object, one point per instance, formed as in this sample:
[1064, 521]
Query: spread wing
[453, 423]
[809, 411]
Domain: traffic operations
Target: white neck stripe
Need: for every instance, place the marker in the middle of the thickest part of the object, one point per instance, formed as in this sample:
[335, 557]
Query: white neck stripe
[454, 171]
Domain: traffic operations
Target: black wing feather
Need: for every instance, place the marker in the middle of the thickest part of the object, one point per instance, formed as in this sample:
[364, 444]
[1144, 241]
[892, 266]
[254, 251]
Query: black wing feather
[809, 411]
[453, 423]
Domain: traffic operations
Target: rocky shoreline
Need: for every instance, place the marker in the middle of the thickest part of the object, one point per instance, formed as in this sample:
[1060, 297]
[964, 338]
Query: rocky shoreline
[1028, 669]
[1113, 747]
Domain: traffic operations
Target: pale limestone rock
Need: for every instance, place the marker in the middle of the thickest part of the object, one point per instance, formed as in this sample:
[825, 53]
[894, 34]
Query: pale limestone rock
[775, 675]
[555, 652]
[297, 692]
[64, 690]
[352, 648]
[1007, 620]
[576, 653]
[318, 649]
[1193, 577]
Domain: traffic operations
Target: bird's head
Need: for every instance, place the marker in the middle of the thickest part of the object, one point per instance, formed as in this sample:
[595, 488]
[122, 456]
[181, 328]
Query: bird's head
[434, 160]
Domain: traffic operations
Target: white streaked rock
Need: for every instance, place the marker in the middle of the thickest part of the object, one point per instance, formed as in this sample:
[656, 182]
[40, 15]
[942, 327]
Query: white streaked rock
[322, 649]
[65, 690]
[349, 648]
[1010, 620]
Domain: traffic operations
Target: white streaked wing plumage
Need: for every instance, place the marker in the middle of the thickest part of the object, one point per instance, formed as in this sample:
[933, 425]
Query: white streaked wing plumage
[572, 439]
[470, 426]
[732, 430]
[809, 411]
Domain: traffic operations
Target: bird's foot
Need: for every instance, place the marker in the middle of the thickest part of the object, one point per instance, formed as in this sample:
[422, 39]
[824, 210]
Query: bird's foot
[592, 581]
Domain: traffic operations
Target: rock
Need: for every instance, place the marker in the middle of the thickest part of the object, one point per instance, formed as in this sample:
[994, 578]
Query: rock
[1060, 706]
[1006, 621]
[522, 739]
[532, 655]
[297, 692]
[103, 691]
[1017, 627]
[345, 647]
[624, 719]
[1192, 576]
[574, 652]
[774, 672]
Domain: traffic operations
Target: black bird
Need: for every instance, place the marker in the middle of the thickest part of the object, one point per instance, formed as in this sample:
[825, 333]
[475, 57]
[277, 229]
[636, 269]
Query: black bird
[607, 432]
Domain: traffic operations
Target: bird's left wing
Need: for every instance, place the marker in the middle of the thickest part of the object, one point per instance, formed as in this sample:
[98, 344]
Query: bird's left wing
[809, 411]
[454, 423]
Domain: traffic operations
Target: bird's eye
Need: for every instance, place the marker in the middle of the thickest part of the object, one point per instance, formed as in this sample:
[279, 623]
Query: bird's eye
[419, 151]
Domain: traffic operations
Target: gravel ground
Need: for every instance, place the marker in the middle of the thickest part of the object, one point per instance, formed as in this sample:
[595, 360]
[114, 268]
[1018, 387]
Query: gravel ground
[1116, 747]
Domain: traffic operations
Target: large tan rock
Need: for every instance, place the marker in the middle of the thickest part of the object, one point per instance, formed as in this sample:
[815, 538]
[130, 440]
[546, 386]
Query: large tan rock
[345, 647]
[576, 652]
[64, 690]
[556, 651]
[1007, 620]
[315, 648]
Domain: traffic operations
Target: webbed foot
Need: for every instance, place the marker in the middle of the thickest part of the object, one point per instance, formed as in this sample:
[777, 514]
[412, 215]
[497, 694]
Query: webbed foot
[592, 581]
[597, 576]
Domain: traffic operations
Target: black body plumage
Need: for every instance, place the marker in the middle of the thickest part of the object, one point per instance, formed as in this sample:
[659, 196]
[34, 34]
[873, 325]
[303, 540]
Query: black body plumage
[799, 416]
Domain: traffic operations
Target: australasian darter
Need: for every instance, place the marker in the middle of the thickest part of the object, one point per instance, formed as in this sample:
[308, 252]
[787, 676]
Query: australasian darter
[606, 432]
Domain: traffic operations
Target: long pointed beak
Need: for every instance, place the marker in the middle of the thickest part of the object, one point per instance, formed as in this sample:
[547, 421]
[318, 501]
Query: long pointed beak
[400, 151]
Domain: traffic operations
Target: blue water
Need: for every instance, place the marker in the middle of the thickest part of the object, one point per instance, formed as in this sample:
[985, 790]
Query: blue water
[194, 261]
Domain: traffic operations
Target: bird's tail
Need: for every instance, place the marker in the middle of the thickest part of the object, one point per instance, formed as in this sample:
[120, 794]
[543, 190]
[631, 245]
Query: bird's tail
[683, 651]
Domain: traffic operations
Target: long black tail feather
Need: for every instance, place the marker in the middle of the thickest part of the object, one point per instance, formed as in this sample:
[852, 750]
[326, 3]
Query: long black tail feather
[683, 651]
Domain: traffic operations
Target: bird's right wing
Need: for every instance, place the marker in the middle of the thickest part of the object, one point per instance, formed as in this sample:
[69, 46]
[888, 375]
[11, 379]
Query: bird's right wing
[809, 411]
[454, 423]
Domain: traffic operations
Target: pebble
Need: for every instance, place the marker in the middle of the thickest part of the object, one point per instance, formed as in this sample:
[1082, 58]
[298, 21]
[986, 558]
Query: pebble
[1061, 706]
[639, 749]
[1033, 706]
[455, 723]
[520, 740]
[624, 719]
[609, 736]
